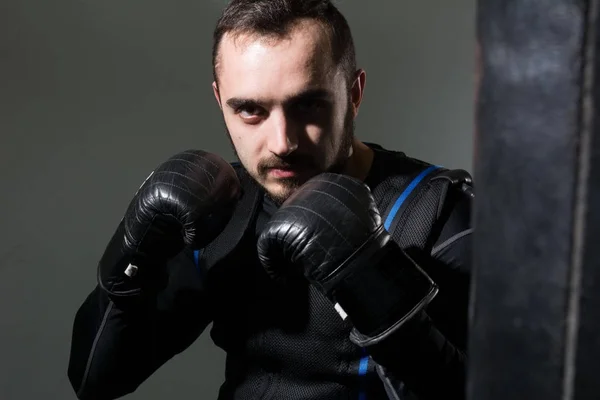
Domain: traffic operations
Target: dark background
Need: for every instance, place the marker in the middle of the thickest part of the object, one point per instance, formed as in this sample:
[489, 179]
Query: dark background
[94, 94]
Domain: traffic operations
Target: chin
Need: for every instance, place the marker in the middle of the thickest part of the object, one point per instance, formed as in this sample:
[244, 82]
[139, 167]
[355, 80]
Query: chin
[279, 192]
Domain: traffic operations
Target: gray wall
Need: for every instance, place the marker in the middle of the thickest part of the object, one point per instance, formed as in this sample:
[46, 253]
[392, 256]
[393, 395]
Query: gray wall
[94, 93]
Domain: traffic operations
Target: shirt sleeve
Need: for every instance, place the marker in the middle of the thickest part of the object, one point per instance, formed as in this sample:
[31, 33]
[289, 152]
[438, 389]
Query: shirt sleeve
[117, 345]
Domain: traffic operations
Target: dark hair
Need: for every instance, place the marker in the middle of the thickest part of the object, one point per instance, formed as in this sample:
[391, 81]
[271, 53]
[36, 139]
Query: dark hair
[275, 17]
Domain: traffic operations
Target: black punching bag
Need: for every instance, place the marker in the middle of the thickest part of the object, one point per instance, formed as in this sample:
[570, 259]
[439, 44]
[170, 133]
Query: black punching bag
[535, 311]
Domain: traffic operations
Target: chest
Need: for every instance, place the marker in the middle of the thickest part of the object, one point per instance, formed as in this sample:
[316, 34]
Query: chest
[251, 312]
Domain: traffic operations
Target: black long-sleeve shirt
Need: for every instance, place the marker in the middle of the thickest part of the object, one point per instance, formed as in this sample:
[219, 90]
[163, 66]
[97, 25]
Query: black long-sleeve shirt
[281, 341]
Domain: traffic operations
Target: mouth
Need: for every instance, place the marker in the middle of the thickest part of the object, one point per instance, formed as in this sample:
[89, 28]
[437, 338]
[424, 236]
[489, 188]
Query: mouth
[283, 173]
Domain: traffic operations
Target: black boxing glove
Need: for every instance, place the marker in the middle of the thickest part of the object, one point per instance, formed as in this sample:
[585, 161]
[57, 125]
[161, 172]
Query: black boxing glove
[186, 201]
[331, 232]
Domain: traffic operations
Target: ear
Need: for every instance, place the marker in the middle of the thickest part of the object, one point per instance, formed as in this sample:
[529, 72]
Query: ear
[217, 94]
[358, 90]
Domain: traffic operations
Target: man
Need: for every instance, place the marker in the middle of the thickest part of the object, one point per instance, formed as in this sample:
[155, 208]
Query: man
[308, 295]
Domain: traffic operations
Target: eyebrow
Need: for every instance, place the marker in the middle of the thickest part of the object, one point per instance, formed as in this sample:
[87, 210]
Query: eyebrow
[310, 94]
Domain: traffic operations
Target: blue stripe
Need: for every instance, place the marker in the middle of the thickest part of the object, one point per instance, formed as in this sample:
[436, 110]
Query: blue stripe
[197, 258]
[362, 371]
[362, 368]
[405, 194]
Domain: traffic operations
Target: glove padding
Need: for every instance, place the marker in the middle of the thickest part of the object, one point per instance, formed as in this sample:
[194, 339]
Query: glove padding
[330, 231]
[186, 201]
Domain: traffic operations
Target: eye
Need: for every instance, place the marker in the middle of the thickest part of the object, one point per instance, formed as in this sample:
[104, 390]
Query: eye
[250, 113]
[311, 106]
[247, 111]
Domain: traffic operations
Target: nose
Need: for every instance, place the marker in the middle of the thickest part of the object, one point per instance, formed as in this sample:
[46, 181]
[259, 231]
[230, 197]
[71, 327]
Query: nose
[283, 139]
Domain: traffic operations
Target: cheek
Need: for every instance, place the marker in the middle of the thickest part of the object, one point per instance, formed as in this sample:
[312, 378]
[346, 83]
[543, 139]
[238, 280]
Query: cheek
[328, 125]
[328, 128]
[338, 123]
[246, 141]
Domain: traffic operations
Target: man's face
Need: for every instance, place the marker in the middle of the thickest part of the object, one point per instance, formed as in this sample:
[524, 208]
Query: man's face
[288, 110]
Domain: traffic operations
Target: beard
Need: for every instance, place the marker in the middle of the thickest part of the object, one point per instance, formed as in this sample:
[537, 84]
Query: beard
[302, 162]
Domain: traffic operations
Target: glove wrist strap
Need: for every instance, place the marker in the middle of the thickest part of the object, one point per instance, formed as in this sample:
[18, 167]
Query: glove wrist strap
[381, 290]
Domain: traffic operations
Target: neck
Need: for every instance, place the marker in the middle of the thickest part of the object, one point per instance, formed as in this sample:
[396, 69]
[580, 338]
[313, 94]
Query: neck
[360, 160]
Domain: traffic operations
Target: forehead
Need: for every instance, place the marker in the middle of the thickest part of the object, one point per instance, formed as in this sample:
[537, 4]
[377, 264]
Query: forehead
[249, 64]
